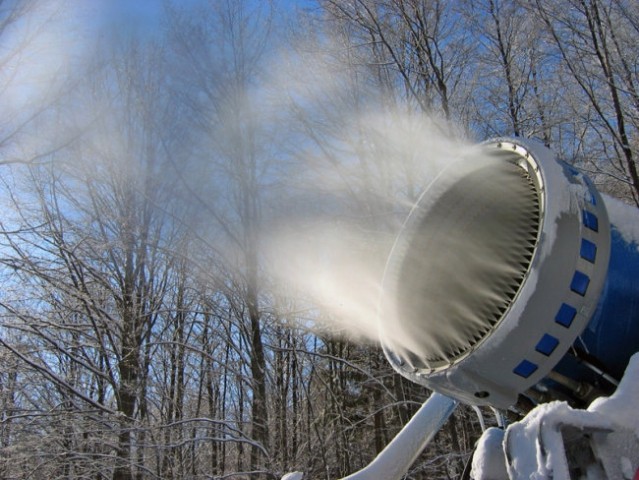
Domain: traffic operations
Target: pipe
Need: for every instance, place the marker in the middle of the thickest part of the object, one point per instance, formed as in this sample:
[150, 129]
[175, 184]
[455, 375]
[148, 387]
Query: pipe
[395, 460]
[480, 417]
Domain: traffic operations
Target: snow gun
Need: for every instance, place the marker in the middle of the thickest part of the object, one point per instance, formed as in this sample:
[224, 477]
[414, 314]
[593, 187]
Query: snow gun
[513, 283]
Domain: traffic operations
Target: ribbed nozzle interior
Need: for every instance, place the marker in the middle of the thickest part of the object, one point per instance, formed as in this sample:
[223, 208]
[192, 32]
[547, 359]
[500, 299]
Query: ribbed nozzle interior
[467, 255]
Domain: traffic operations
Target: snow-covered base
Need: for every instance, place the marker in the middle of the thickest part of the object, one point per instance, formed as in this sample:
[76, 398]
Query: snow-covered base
[555, 441]
[489, 460]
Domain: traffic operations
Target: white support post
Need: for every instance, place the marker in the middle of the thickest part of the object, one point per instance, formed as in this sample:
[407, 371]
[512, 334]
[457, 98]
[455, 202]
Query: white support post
[395, 460]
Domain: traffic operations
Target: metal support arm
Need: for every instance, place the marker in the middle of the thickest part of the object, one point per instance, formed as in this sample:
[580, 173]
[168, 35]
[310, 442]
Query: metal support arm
[395, 460]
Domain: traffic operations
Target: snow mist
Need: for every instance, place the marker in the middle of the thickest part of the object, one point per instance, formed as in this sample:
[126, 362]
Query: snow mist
[361, 163]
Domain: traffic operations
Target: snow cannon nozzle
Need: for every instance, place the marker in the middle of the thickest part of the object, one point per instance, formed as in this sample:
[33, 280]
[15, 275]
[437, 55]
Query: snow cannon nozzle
[504, 285]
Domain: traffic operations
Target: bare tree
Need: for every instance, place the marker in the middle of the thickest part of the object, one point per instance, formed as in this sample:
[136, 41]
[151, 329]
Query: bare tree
[594, 40]
[222, 65]
[91, 248]
[423, 42]
[39, 71]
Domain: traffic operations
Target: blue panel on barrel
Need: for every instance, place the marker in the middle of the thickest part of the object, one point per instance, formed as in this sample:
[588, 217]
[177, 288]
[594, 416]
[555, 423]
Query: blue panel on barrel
[547, 344]
[591, 221]
[525, 369]
[565, 315]
[588, 250]
[580, 282]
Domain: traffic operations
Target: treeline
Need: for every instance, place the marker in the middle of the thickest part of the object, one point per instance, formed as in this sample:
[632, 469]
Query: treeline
[146, 327]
